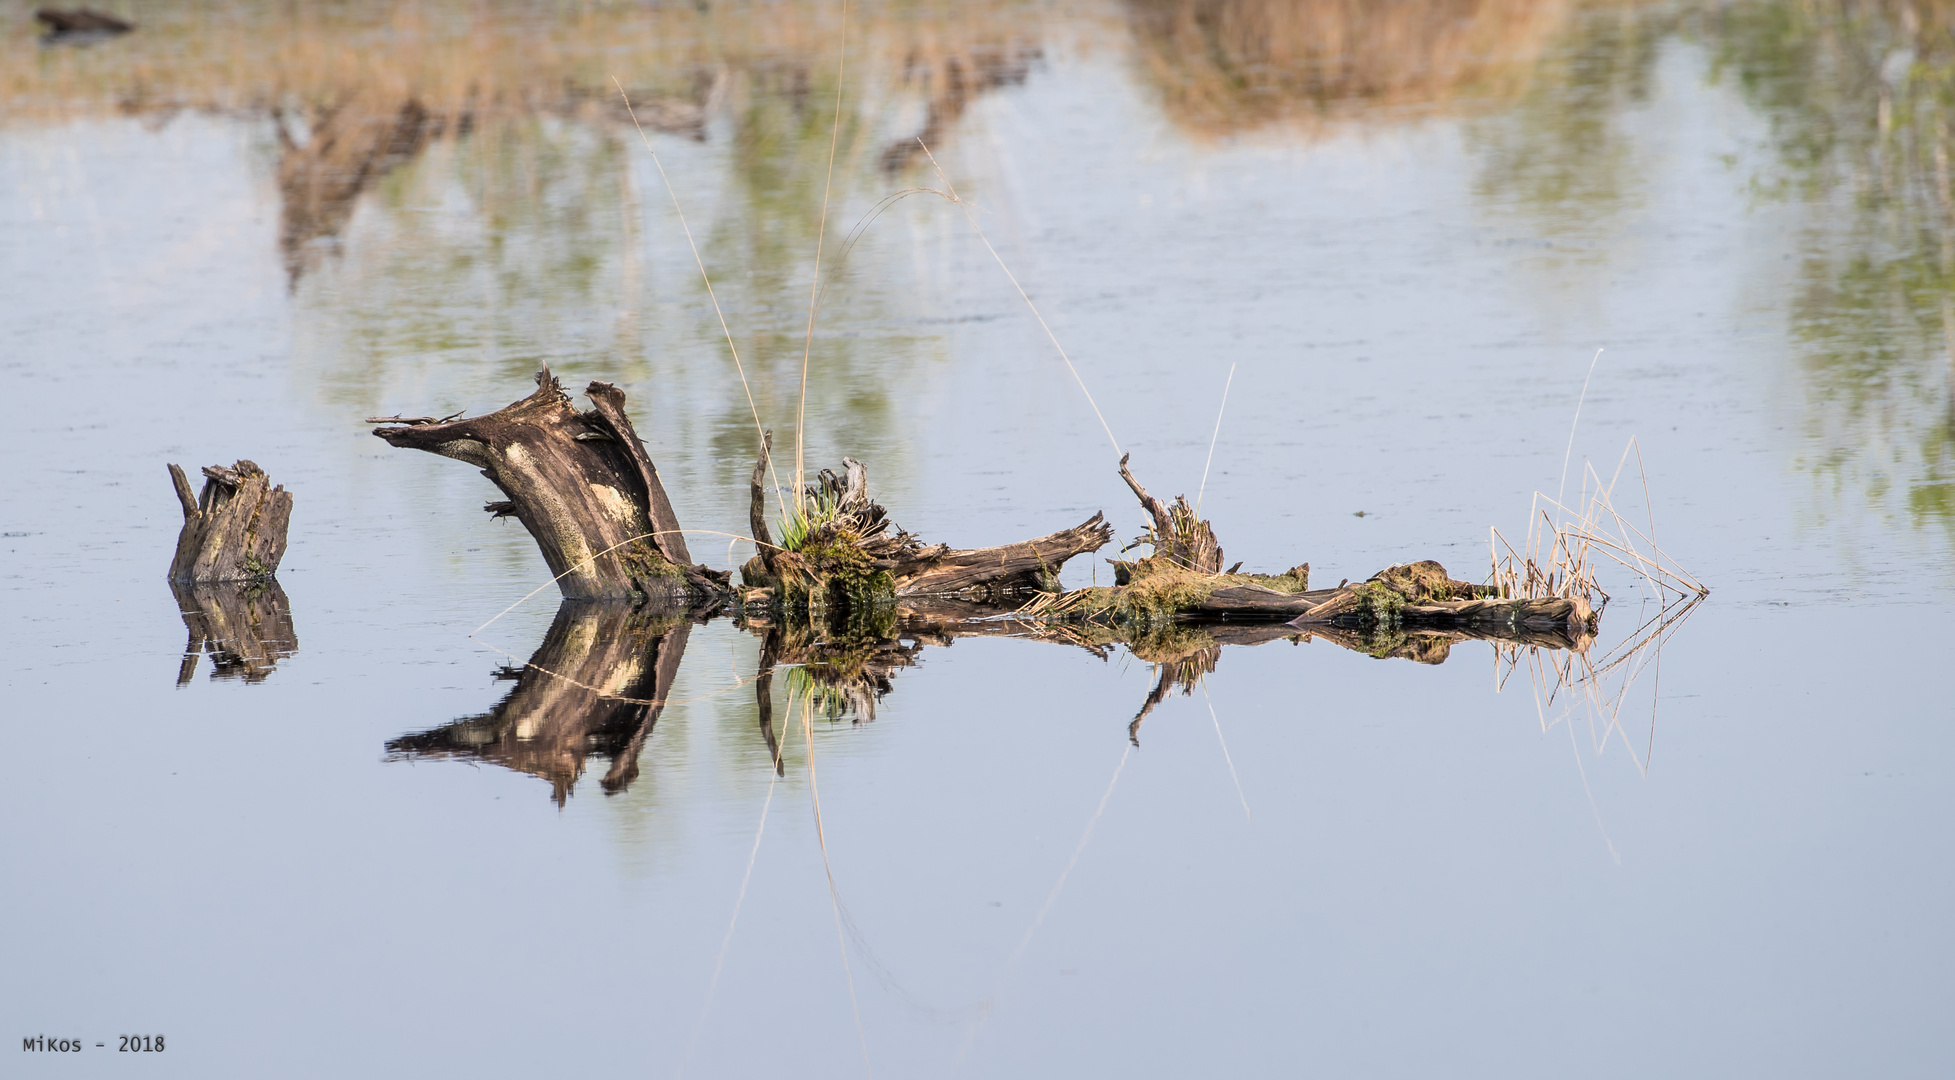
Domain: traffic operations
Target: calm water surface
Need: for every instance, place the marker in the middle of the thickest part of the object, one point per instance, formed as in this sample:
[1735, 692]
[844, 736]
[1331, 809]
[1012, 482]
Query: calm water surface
[230, 234]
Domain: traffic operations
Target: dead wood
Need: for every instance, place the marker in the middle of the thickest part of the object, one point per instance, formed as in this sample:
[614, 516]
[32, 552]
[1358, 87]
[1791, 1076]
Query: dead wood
[1176, 533]
[847, 551]
[757, 506]
[1182, 580]
[244, 627]
[234, 530]
[584, 487]
[82, 22]
[595, 687]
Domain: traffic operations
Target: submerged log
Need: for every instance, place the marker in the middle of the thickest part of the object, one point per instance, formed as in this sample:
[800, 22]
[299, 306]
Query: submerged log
[581, 483]
[596, 686]
[235, 530]
[843, 550]
[1183, 580]
[244, 627]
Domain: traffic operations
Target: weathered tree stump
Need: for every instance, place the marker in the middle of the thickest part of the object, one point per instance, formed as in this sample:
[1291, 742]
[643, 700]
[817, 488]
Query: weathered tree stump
[582, 484]
[1175, 532]
[245, 628]
[844, 550]
[596, 686]
[235, 530]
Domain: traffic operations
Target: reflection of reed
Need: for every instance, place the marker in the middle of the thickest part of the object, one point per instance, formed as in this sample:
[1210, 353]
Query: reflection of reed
[1571, 681]
[1224, 66]
[596, 686]
[246, 627]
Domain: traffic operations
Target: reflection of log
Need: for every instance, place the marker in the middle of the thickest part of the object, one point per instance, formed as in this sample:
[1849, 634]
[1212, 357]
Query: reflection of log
[1186, 671]
[245, 627]
[349, 146]
[596, 686]
[847, 665]
[234, 531]
[583, 485]
[953, 85]
[342, 149]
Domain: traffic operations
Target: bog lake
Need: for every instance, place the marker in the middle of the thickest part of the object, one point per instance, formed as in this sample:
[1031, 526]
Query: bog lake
[1307, 861]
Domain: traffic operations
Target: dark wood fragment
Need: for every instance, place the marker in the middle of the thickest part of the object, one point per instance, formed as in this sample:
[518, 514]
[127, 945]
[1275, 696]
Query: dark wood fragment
[81, 21]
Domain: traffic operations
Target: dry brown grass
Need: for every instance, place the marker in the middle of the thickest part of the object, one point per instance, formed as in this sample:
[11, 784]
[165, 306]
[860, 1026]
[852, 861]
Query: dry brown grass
[1565, 547]
[480, 58]
[1227, 66]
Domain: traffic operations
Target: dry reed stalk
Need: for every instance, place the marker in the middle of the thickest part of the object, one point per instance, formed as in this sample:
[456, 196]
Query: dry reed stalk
[1559, 558]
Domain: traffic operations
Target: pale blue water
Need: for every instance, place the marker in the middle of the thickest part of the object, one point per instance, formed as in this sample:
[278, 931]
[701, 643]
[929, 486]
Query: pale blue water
[1348, 867]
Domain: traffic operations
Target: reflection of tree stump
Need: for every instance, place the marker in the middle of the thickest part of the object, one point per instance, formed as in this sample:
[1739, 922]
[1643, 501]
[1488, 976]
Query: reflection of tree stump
[595, 686]
[234, 531]
[245, 627]
[583, 486]
[350, 146]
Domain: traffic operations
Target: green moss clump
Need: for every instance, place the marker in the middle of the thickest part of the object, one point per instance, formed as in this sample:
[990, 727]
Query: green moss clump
[1380, 605]
[833, 573]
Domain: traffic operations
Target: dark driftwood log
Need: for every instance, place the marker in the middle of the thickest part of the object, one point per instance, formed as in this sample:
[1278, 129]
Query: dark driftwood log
[595, 687]
[235, 530]
[1025, 564]
[581, 483]
[245, 627]
[80, 22]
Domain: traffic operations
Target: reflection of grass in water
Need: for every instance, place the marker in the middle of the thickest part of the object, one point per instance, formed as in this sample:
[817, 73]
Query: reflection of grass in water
[1223, 66]
[500, 117]
[1861, 100]
[479, 58]
[1560, 154]
[827, 701]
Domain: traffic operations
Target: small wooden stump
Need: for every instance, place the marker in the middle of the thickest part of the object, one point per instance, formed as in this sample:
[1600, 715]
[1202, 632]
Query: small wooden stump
[235, 530]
